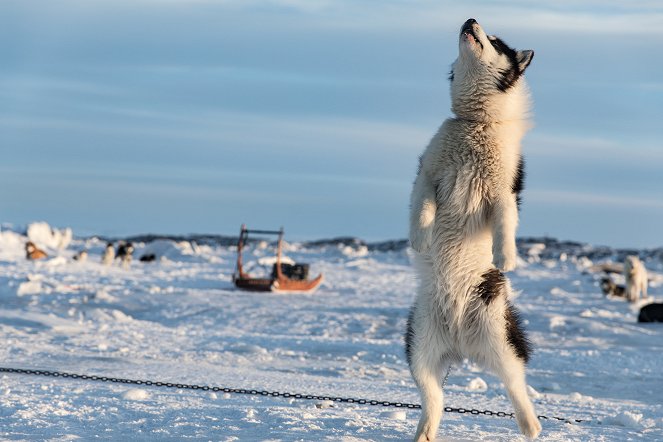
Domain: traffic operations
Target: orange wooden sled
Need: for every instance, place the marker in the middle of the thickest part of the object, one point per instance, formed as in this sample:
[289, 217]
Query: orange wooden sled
[278, 282]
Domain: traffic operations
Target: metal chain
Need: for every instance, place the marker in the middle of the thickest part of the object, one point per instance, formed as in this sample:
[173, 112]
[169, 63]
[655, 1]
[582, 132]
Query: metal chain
[60, 374]
[446, 377]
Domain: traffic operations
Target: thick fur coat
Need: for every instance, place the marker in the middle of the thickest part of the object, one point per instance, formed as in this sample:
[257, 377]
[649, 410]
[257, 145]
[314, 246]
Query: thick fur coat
[463, 219]
[635, 275]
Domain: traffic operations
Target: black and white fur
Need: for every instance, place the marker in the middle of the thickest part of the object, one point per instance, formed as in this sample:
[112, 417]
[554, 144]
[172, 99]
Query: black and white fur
[464, 213]
[609, 288]
[124, 253]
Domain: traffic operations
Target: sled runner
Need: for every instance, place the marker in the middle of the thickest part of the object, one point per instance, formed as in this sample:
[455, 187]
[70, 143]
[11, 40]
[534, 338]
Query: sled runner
[284, 277]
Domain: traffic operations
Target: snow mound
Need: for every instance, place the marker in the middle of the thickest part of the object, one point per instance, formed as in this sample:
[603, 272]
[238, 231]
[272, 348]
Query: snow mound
[478, 385]
[12, 245]
[324, 404]
[44, 235]
[399, 415]
[626, 419]
[29, 288]
[135, 394]
[354, 252]
[269, 261]
[172, 250]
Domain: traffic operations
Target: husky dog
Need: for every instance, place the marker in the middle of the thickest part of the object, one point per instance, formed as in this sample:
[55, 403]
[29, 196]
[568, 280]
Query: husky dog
[81, 256]
[32, 252]
[609, 288]
[109, 255]
[463, 217]
[635, 274]
[124, 253]
[651, 313]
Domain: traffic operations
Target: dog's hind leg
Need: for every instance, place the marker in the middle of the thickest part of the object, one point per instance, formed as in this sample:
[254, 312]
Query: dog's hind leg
[428, 376]
[510, 367]
[425, 352]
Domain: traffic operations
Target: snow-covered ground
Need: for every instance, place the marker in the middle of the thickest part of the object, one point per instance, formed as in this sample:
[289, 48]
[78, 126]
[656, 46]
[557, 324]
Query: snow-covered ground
[180, 320]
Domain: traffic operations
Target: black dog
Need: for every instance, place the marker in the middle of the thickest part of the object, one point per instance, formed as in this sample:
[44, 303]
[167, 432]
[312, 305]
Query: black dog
[651, 313]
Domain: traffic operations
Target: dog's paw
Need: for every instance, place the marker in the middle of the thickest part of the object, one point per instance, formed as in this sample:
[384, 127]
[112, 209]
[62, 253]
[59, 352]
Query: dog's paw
[529, 426]
[505, 263]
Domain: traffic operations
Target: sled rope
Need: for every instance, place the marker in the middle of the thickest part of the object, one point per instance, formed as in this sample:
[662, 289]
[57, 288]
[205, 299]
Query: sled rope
[61, 374]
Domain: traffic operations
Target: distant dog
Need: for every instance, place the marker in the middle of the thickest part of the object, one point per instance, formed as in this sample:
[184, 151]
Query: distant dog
[148, 257]
[609, 288]
[635, 274]
[81, 256]
[109, 255]
[463, 218]
[124, 254]
[32, 252]
[651, 313]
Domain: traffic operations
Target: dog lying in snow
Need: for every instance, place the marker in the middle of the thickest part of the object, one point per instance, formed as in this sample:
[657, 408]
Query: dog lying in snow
[635, 274]
[81, 256]
[651, 313]
[463, 217]
[32, 252]
[609, 288]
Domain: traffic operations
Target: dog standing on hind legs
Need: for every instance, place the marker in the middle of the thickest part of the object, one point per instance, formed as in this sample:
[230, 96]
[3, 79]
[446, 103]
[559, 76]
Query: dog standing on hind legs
[463, 219]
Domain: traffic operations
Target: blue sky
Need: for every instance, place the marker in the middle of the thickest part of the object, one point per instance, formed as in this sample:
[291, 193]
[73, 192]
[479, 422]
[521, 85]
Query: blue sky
[172, 116]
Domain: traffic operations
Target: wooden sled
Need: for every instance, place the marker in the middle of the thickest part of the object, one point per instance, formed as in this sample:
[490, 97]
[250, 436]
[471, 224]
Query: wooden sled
[279, 282]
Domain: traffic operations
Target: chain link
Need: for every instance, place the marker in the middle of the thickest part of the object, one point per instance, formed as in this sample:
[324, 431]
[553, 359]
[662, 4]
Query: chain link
[56, 374]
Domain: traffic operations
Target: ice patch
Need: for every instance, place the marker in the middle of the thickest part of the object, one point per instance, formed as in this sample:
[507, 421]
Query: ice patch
[247, 349]
[135, 394]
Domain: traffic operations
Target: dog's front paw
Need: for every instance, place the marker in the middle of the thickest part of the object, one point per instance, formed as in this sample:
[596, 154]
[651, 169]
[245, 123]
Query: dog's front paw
[505, 262]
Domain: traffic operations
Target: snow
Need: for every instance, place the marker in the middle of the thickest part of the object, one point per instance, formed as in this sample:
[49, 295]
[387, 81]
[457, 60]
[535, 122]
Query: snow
[477, 384]
[180, 320]
[41, 233]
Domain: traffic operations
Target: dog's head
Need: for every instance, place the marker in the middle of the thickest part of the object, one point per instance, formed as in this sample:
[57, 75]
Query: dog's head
[30, 247]
[485, 73]
[607, 286]
[631, 264]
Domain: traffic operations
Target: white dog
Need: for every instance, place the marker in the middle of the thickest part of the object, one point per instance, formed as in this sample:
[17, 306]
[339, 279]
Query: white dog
[464, 213]
[635, 274]
[108, 256]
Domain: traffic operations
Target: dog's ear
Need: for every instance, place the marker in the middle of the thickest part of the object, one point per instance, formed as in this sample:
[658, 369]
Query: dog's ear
[524, 59]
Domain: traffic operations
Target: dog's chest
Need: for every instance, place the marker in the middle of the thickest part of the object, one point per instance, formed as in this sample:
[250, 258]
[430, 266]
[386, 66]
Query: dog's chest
[486, 161]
